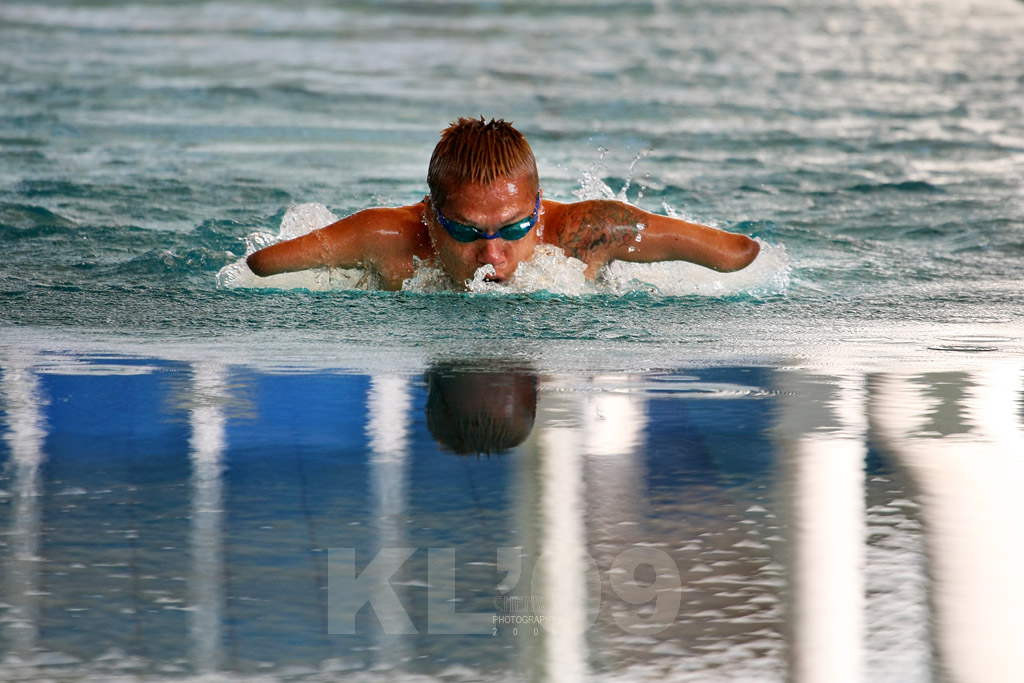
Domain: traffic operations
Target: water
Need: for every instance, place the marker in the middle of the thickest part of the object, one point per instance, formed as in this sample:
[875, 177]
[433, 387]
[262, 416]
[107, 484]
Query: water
[826, 447]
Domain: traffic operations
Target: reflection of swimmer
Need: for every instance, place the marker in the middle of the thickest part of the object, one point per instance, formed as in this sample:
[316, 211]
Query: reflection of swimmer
[472, 409]
[486, 209]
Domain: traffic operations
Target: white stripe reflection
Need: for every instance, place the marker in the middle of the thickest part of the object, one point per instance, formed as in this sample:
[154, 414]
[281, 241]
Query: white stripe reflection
[614, 425]
[577, 435]
[962, 443]
[206, 452]
[561, 571]
[822, 436]
[389, 401]
[22, 400]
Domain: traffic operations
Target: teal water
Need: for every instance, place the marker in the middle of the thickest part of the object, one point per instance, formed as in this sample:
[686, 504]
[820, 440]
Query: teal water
[221, 437]
[879, 143]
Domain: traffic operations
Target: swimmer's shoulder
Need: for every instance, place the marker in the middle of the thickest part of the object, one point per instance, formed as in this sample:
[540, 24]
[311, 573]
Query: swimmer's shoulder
[392, 226]
[390, 219]
[574, 223]
[410, 215]
[411, 228]
[553, 215]
[392, 236]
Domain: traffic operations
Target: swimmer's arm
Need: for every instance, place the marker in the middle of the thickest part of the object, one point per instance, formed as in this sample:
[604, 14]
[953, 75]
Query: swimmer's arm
[344, 244]
[604, 230]
[672, 239]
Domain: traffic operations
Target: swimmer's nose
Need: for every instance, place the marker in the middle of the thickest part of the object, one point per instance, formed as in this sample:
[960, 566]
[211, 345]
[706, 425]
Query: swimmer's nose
[492, 253]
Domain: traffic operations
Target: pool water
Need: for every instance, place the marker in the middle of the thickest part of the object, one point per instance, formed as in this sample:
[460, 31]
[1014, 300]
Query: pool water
[807, 470]
[166, 518]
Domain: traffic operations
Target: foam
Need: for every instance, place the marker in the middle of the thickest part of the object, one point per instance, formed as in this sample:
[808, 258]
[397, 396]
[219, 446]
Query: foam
[768, 274]
[547, 270]
[298, 220]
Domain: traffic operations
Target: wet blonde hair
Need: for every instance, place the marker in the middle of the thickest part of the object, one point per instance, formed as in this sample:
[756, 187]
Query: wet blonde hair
[478, 151]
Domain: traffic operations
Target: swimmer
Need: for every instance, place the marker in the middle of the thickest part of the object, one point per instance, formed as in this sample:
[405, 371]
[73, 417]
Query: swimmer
[486, 208]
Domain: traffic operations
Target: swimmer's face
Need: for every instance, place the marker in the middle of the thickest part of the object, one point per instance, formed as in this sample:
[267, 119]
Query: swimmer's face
[487, 208]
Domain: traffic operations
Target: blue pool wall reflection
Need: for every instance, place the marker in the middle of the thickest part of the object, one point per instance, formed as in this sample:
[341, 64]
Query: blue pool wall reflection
[171, 517]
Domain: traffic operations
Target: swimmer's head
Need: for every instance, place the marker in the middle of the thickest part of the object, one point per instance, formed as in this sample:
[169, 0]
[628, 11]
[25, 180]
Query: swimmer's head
[473, 409]
[483, 175]
[474, 151]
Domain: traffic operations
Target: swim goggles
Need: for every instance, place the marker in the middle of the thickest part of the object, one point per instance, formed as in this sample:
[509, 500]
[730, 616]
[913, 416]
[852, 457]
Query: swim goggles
[467, 233]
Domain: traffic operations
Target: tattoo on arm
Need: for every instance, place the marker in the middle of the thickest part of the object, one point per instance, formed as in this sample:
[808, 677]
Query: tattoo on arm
[600, 227]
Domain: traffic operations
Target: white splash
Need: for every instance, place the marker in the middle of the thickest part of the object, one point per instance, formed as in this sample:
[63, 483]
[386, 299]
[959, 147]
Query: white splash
[768, 274]
[298, 220]
[428, 277]
[548, 269]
